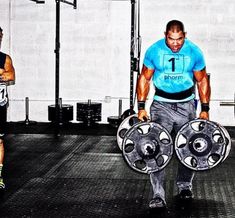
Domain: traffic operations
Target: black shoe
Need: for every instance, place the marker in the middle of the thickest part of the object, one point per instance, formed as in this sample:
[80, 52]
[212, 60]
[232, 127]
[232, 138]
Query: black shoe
[157, 203]
[186, 195]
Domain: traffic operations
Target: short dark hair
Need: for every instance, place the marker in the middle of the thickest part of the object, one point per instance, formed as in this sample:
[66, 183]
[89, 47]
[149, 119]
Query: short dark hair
[175, 25]
[1, 29]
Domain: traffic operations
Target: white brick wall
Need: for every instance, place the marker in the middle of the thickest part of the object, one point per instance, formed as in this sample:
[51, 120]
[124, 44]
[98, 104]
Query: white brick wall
[95, 44]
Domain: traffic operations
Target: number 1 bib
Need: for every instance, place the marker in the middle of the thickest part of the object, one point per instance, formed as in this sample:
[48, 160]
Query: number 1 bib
[3, 94]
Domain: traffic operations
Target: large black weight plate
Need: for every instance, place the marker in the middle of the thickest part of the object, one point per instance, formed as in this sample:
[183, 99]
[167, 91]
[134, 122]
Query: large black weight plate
[123, 128]
[228, 142]
[114, 121]
[89, 112]
[127, 113]
[200, 144]
[65, 113]
[147, 147]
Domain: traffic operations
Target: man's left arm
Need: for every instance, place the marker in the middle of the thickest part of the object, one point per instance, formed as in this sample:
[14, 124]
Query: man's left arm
[8, 73]
[204, 91]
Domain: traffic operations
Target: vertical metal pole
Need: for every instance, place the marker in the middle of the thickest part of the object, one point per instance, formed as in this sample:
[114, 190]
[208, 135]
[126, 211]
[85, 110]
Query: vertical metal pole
[137, 48]
[89, 113]
[75, 4]
[132, 52]
[57, 65]
[26, 110]
[119, 108]
[139, 41]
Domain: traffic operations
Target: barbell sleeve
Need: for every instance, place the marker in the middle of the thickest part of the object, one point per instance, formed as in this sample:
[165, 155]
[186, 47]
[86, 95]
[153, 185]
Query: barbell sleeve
[227, 103]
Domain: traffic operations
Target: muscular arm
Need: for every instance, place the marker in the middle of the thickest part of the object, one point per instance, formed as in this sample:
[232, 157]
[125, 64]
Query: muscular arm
[143, 87]
[8, 73]
[143, 84]
[204, 90]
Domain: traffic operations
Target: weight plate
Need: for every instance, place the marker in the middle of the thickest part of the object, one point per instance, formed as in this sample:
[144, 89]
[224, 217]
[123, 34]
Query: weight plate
[147, 147]
[228, 142]
[200, 144]
[123, 128]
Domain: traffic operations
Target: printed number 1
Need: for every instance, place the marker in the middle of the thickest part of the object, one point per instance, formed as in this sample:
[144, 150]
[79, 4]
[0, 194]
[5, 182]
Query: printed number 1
[172, 64]
[2, 91]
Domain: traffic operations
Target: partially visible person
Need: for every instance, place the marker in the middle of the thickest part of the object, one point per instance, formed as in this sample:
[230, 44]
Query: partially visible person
[175, 65]
[7, 74]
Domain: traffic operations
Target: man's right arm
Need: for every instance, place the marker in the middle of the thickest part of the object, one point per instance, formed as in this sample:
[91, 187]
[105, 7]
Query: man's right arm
[143, 87]
[8, 73]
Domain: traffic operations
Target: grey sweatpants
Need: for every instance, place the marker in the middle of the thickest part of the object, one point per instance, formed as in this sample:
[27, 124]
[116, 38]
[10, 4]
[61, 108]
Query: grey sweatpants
[172, 116]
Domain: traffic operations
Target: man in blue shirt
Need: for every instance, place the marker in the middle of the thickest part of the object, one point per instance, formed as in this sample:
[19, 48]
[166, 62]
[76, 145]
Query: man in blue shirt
[175, 65]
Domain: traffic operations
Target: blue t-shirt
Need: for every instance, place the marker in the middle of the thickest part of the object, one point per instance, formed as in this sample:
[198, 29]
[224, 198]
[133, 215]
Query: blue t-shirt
[173, 71]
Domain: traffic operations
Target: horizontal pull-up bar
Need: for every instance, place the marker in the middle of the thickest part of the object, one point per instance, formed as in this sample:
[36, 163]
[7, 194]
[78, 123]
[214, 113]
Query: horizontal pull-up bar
[74, 3]
[70, 3]
[38, 1]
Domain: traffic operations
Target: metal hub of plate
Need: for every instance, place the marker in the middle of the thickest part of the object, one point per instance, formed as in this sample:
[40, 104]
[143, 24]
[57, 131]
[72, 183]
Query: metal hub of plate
[202, 144]
[125, 125]
[147, 147]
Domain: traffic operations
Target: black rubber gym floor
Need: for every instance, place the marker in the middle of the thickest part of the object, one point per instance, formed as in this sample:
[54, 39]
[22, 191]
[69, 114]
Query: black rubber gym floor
[82, 173]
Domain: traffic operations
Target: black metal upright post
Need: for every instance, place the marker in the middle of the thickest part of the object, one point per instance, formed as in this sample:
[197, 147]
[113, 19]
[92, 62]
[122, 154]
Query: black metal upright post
[138, 42]
[58, 101]
[136, 61]
[132, 54]
[57, 67]
[74, 4]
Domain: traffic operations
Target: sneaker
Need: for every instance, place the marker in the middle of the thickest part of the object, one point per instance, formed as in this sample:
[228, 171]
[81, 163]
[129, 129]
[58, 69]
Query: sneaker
[186, 194]
[2, 185]
[157, 203]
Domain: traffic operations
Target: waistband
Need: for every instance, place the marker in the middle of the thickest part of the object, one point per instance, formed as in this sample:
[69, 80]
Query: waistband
[175, 96]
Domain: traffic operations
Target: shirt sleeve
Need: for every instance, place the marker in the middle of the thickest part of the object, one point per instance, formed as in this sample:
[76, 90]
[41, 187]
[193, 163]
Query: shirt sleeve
[148, 59]
[199, 60]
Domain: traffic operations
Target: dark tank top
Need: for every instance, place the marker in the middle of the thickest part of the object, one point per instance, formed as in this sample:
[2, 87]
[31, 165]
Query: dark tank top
[2, 60]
